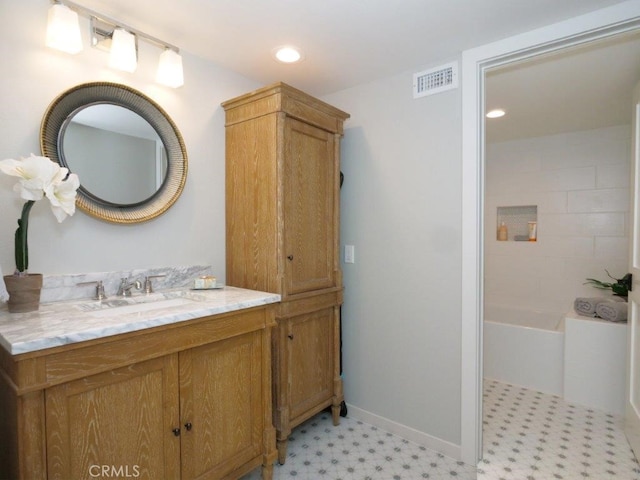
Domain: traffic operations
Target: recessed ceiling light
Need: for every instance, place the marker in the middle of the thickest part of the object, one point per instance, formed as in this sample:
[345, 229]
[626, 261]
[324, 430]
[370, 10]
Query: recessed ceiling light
[496, 113]
[287, 54]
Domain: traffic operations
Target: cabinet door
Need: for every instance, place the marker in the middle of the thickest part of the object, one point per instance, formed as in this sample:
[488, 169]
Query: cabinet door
[221, 399]
[309, 207]
[116, 424]
[311, 361]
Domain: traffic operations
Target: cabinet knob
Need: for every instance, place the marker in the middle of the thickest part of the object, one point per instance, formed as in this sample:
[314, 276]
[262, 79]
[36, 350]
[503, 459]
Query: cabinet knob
[290, 336]
[188, 426]
[290, 258]
[176, 432]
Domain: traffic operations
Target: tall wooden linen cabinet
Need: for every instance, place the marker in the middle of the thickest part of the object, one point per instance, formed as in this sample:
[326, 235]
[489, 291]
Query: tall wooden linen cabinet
[282, 225]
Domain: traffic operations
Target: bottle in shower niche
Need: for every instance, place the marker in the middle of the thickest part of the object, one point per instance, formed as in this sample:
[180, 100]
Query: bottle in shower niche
[503, 234]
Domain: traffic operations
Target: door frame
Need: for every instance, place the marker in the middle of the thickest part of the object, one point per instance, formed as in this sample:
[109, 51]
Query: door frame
[620, 18]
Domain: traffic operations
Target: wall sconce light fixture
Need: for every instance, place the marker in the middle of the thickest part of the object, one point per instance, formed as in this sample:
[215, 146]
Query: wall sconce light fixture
[108, 34]
[170, 69]
[124, 51]
[63, 30]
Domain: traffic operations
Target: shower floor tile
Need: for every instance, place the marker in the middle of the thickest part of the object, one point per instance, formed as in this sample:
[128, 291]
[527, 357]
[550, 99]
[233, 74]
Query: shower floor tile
[530, 435]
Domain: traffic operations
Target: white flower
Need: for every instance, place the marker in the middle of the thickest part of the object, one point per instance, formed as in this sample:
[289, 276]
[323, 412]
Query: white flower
[39, 177]
[62, 196]
[36, 175]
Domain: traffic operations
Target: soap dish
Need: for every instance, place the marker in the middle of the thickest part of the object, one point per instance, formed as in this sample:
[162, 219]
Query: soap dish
[217, 287]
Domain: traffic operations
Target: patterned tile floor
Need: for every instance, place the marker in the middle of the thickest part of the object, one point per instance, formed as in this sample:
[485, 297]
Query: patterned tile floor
[355, 450]
[534, 436]
[528, 435]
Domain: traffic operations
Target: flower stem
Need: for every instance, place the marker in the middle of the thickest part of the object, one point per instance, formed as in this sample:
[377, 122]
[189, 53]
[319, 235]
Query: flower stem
[21, 246]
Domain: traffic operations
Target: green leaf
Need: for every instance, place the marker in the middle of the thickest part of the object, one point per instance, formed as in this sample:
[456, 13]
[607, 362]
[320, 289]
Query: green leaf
[597, 283]
[619, 288]
[21, 244]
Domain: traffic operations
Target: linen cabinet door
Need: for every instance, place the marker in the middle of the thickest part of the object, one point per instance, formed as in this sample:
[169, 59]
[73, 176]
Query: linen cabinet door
[309, 207]
[221, 406]
[311, 363]
[116, 424]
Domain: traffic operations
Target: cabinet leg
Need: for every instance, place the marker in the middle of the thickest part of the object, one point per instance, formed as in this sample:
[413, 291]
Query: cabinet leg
[335, 414]
[267, 472]
[282, 450]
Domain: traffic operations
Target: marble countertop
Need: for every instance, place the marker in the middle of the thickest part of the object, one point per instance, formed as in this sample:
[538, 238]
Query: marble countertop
[63, 323]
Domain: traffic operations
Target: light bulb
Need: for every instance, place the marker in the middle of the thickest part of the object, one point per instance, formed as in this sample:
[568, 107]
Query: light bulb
[496, 113]
[63, 29]
[170, 71]
[287, 54]
[124, 55]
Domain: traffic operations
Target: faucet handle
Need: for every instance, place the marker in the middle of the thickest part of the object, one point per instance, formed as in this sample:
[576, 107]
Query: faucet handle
[124, 290]
[148, 286]
[100, 295]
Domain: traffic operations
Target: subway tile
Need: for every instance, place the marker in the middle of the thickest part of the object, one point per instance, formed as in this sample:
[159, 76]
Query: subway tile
[610, 152]
[579, 182]
[512, 183]
[559, 292]
[616, 134]
[552, 202]
[509, 248]
[572, 156]
[587, 153]
[612, 247]
[533, 266]
[582, 224]
[613, 176]
[547, 202]
[606, 200]
[518, 284]
[566, 246]
[505, 161]
[566, 179]
[595, 268]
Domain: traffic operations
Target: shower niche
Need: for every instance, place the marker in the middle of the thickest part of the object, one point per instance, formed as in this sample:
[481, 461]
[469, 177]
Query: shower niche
[517, 223]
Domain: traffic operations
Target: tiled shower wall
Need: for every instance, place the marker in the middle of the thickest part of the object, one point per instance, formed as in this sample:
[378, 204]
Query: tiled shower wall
[580, 183]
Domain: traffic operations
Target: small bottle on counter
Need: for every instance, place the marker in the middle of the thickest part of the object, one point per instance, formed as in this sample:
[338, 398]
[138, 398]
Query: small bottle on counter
[503, 234]
[533, 231]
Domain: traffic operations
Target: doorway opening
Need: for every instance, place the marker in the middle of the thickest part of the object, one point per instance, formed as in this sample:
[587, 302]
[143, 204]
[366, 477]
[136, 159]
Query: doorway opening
[476, 63]
[556, 178]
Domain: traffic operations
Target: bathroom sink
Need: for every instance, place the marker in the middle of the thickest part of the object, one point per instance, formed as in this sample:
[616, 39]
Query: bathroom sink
[141, 303]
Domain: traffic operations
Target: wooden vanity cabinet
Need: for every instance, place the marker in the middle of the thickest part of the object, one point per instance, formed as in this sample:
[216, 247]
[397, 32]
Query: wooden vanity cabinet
[181, 402]
[282, 226]
[115, 418]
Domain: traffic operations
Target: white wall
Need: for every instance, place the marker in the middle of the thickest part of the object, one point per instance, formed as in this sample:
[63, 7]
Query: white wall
[580, 183]
[401, 210]
[191, 232]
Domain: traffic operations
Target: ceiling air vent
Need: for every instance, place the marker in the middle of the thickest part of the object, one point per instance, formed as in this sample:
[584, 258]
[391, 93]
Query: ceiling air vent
[435, 80]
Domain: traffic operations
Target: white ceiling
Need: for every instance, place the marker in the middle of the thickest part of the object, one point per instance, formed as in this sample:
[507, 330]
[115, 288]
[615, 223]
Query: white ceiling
[352, 42]
[577, 89]
[346, 42]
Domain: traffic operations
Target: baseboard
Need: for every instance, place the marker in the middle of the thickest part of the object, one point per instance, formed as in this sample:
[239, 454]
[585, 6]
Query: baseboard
[433, 443]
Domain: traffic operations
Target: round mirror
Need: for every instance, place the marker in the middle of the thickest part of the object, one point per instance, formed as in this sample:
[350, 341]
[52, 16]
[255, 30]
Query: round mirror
[128, 153]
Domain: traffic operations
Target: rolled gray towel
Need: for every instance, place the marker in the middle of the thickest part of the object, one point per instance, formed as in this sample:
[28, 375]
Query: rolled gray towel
[587, 305]
[613, 311]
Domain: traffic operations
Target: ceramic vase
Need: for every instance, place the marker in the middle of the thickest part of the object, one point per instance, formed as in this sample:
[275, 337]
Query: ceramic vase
[24, 292]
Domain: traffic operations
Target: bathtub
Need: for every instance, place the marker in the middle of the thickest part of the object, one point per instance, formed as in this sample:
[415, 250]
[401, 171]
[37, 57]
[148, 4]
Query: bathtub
[524, 347]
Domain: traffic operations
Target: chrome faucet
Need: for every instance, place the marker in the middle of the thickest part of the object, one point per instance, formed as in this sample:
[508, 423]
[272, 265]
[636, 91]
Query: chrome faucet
[148, 286]
[100, 295]
[124, 290]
